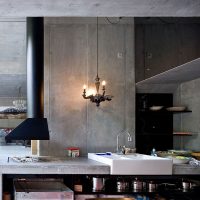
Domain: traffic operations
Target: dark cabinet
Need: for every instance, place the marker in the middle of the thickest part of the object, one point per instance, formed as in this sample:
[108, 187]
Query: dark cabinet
[154, 129]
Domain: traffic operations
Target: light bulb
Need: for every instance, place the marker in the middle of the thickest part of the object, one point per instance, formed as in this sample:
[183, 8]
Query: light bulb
[103, 86]
[91, 91]
[103, 83]
[84, 86]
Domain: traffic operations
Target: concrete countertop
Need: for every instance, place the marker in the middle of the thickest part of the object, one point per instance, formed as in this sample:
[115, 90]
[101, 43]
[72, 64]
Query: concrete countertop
[185, 169]
[79, 165]
[65, 165]
[53, 165]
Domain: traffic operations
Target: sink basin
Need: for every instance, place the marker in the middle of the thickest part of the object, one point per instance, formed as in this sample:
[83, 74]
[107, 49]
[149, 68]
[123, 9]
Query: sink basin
[138, 164]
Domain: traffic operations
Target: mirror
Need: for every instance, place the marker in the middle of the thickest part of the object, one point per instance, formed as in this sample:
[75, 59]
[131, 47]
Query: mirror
[12, 75]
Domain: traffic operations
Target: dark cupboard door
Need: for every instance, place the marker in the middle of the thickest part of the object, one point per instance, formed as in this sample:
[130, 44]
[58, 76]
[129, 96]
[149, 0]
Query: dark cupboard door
[154, 129]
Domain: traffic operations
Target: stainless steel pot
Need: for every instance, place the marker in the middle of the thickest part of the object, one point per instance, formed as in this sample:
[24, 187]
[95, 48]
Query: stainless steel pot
[98, 184]
[186, 185]
[151, 186]
[122, 186]
[137, 185]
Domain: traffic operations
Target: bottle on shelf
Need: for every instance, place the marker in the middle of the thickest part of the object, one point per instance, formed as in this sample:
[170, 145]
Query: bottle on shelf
[153, 152]
[78, 185]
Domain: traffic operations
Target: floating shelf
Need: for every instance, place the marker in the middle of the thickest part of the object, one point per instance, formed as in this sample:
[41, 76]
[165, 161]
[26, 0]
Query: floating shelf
[185, 72]
[165, 112]
[182, 133]
[184, 111]
[12, 116]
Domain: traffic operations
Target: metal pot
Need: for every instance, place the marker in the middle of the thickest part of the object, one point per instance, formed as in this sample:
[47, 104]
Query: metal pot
[122, 186]
[137, 185]
[151, 186]
[98, 184]
[186, 185]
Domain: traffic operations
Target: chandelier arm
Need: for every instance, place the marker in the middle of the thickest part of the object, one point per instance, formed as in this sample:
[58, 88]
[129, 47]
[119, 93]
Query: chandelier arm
[87, 97]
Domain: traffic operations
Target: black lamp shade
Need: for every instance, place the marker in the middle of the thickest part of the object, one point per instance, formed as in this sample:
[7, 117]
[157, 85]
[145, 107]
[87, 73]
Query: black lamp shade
[30, 129]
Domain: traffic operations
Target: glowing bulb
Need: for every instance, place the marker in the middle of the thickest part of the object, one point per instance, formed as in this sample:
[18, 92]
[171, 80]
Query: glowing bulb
[84, 86]
[91, 92]
[103, 83]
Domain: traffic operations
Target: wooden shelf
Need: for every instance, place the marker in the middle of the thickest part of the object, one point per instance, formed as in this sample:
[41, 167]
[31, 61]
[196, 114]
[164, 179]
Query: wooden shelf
[186, 72]
[184, 111]
[153, 134]
[12, 116]
[164, 112]
[182, 133]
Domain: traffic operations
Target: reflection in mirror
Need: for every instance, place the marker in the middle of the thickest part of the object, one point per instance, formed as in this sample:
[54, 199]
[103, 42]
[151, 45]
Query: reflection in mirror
[12, 76]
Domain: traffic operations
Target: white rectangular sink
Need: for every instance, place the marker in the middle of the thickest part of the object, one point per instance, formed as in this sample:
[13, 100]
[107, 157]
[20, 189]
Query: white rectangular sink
[138, 164]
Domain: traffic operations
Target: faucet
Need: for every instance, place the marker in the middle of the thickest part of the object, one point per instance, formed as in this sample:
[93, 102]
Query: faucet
[123, 147]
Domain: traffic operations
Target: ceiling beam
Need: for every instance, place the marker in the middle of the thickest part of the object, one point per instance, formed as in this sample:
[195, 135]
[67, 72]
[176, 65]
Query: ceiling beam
[92, 8]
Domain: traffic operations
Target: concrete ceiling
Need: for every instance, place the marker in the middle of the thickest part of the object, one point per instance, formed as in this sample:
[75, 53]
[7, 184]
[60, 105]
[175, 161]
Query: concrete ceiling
[91, 8]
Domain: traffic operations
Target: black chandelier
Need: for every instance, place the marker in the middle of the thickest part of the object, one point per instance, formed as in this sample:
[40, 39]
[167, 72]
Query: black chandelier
[96, 97]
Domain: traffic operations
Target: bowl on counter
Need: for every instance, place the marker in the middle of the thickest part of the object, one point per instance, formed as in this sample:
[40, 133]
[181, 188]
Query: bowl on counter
[175, 152]
[176, 159]
[180, 159]
[164, 154]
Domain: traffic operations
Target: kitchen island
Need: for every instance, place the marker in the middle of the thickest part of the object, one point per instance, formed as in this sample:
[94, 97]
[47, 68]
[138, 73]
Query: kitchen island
[64, 166]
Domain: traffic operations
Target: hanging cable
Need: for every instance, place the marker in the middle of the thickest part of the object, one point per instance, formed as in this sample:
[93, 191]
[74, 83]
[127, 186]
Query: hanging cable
[97, 47]
[117, 22]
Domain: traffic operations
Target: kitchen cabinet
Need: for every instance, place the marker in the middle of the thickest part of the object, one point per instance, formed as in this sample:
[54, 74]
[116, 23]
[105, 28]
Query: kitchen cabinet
[154, 129]
[148, 187]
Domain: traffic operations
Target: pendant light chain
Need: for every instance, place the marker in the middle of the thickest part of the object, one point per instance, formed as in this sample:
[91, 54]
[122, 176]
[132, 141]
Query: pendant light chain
[97, 82]
[97, 47]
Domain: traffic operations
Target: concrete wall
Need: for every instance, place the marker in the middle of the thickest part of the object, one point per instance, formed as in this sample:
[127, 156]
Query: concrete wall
[165, 45]
[70, 61]
[188, 94]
